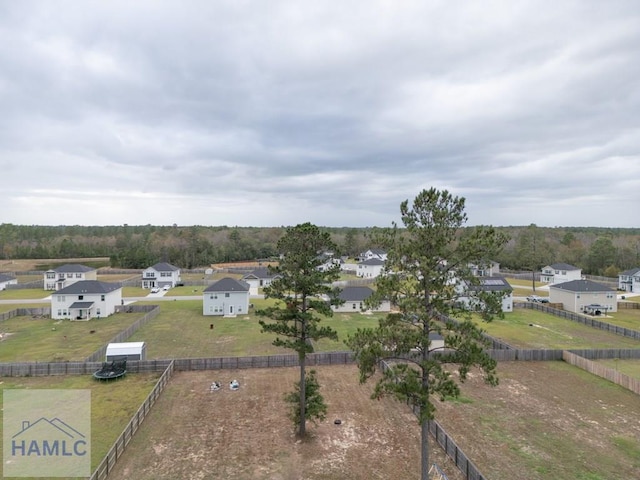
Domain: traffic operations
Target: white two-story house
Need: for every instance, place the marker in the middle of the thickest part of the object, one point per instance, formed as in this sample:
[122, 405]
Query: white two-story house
[86, 299]
[354, 301]
[560, 273]
[66, 275]
[160, 275]
[371, 268]
[376, 253]
[496, 285]
[629, 280]
[226, 297]
[259, 278]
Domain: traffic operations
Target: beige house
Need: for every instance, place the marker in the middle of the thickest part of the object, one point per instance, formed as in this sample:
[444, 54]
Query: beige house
[66, 275]
[584, 296]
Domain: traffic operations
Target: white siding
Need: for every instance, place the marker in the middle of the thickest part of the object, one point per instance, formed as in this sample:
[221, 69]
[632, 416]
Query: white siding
[225, 303]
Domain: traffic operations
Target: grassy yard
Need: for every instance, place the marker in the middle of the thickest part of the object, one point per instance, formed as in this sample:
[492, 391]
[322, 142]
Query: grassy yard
[532, 329]
[24, 294]
[628, 318]
[112, 403]
[43, 339]
[628, 367]
[181, 331]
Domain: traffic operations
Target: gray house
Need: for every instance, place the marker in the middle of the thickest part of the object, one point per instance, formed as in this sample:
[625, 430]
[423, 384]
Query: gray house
[629, 280]
[7, 280]
[354, 298]
[160, 275]
[227, 297]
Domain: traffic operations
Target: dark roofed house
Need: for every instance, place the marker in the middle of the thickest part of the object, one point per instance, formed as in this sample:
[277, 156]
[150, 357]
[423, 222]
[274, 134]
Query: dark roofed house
[65, 275]
[259, 278]
[559, 273]
[628, 281]
[577, 295]
[227, 297]
[354, 298]
[86, 299]
[496, 284]
[7, 280]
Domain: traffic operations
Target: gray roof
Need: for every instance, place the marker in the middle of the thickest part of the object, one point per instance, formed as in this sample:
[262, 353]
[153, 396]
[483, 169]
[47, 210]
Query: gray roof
[373, 261]
[631, 273]
[582, 286]
[164, 267]
[228, 284]
[72, 268]
[88, 287]
[355, 294]
[81, 305]
[6, 278]
[261, 272]
[492, 284]
[563, 266]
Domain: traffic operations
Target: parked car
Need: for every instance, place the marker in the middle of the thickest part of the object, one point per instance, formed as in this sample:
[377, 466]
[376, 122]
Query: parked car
[155, 290]
[537, 299]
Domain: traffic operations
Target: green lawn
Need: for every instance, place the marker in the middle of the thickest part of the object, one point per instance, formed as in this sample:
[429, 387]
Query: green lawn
[627, 317]
[112, 403]
[45, 340]
[532, 329]
[24, 294]
[182, 331]
[628, 367]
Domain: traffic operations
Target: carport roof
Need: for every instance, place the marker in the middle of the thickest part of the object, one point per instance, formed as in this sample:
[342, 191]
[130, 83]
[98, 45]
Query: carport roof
[81, 305]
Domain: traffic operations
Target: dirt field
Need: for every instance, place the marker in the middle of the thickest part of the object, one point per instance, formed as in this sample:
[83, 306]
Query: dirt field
[192, 433]
[25, 265]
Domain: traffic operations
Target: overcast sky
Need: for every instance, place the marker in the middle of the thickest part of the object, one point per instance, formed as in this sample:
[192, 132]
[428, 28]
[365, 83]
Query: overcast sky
[270, 113]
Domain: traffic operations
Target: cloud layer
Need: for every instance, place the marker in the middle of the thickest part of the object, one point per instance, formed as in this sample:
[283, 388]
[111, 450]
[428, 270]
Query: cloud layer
[273, 113]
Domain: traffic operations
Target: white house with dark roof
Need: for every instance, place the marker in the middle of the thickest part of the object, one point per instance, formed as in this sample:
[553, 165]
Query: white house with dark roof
[86, 299]
[371, 268]
[160, 275]
[560, 273]
[628, 281]
[66, 275]
[354, 298]
[259, 278]
[7, 280]
[488, 269]
[226, 297]
[495, 284]
[376, 253]
[584, 296]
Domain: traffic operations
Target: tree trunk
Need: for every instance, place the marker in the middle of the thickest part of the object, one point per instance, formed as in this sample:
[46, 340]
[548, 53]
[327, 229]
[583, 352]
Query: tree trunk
[303, 400]
[425, 450]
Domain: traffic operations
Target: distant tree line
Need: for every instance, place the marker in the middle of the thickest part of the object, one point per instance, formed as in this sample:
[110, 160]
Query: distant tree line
[598, 251]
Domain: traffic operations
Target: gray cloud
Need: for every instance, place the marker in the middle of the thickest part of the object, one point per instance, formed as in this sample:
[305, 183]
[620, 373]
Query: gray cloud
[273, 113]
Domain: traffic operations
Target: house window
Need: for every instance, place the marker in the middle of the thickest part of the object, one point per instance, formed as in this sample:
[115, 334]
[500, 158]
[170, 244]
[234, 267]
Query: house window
[78, 275]
[59, 312]
[239, 309]
[564, 272]
[102, 297]
[60, 298]
[226, 295]
[80, 297]
[69, 275]
[98, 311]
[577, 296]
[353, 306]
[557, 272]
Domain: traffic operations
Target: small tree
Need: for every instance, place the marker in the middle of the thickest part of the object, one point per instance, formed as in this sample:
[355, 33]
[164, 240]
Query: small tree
[315, 408]
[300, 289]
[429, 280]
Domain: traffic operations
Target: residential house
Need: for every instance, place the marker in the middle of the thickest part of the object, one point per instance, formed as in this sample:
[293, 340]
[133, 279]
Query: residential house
[559, 273]
[328, 261]
[584, 296]
[496, 284]
[160, 275]
[376, 253]
[66, 275]
[226, 297]
[354, 301]
[628, 281]
[86, 299]
[7, 280]
[371, 268]
[259, 278]
[488, 269]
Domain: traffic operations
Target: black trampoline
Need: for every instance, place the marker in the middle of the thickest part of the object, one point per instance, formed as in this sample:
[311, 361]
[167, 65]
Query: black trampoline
[111, 370]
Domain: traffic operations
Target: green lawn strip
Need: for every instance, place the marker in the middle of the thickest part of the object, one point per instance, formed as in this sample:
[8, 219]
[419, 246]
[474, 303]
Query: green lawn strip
[28, 278]
[112, 403]
[544, 446]
[24, 294]
[47, 340]
[627, 318]
[111, 278]
[630, 368]
[525, 328]
[182, 331]
[134, 292]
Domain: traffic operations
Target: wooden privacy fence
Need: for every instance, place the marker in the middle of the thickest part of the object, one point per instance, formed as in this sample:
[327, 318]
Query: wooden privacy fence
[264, 361]
[152, 312]
[45, 369]
[24, 312]
[607, 373]
[466, 466]
[109, 461]
[628, 305]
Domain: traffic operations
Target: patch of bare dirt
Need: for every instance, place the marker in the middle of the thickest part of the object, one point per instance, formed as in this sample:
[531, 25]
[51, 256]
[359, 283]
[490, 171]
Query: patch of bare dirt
[194, 433]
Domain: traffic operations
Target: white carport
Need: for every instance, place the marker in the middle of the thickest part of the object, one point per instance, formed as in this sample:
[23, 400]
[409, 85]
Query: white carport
[126, 351]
